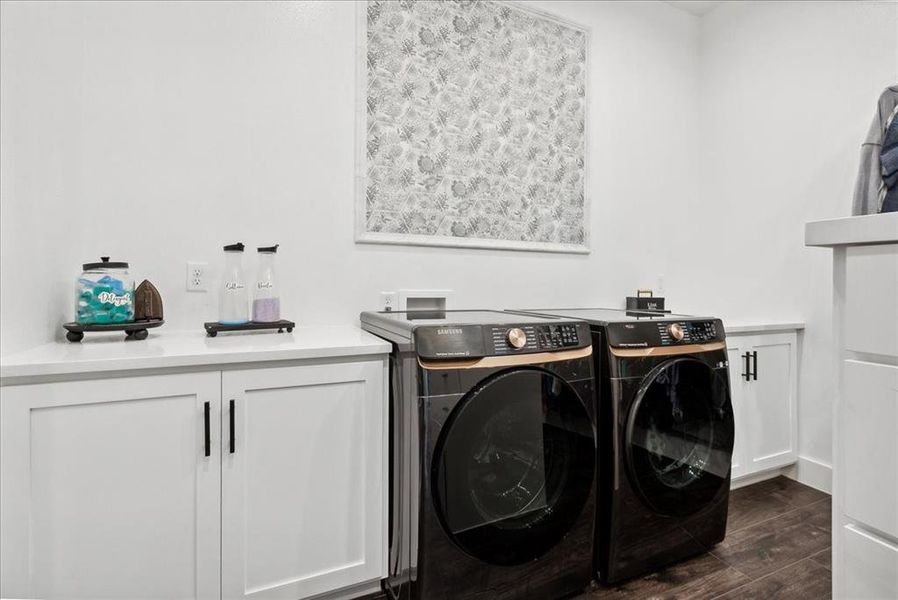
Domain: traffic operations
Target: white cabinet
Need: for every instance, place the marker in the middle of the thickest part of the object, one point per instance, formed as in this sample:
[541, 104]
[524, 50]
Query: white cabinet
[107, 491]
[870, 324]
[865, 500]
[110, 489]
[763, 386]
[772, 419]
[865, 424]
[872, 565]
[869, 421]
[303, 484]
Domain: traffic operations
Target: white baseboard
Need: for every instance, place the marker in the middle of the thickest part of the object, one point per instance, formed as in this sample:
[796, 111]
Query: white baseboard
[805, 470]
[362, 590]
[813, 473]
[758, 477]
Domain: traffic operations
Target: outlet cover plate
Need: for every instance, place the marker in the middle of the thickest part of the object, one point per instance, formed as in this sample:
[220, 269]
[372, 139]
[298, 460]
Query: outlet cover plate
[197, 276]
[389, 301]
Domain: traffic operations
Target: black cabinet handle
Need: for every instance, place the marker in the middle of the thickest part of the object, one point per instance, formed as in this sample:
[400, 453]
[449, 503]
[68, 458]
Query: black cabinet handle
[754, 373]
[232, 427]
[747, 373]
[207, 440]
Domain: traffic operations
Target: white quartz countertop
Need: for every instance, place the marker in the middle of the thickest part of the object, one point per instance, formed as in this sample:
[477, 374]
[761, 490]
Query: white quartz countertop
[105, 353]
[109, 353]
[853, 231]
[760, 327]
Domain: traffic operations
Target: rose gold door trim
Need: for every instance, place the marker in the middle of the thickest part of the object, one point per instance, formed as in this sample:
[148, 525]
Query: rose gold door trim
[668, 350]
[505, 361]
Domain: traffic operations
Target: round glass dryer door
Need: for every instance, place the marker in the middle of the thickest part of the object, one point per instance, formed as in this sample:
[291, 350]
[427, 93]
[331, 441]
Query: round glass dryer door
[679, 437]
[513, 466]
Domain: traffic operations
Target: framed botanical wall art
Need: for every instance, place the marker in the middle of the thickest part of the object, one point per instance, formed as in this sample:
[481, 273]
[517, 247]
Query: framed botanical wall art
[471, 126]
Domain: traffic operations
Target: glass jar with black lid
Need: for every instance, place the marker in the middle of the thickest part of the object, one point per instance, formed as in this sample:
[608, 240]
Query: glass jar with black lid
[104, 293]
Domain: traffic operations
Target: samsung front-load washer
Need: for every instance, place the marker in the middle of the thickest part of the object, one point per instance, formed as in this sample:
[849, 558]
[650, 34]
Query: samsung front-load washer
[665, 437]
[492, 489]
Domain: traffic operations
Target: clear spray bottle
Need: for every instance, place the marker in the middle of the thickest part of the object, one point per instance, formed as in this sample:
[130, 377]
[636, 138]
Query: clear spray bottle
[266, 299]
[233, 307]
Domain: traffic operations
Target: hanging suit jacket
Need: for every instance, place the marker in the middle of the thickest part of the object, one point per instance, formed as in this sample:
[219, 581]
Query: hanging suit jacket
[888, 160]
[869, 190]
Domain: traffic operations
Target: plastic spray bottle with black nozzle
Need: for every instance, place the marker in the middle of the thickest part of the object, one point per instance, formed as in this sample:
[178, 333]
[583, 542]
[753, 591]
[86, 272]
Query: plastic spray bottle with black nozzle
[266, 299]
[233, 304]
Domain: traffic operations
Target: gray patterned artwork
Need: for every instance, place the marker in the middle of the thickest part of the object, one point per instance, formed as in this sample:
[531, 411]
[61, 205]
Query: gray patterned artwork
[473, 129]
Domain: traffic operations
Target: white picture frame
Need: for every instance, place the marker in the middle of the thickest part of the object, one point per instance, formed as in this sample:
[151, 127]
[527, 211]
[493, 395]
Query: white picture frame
[530, 237]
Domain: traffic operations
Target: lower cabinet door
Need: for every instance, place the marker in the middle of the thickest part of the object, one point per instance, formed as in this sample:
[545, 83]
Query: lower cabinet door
[870, 568]
[773, 420]
[868, 419]
[107, 491]
[303, 468]
[763, 388]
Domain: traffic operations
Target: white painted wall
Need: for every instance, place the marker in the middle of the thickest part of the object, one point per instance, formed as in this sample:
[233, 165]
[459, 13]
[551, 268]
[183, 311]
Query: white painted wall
[155, 133]
[788, 90]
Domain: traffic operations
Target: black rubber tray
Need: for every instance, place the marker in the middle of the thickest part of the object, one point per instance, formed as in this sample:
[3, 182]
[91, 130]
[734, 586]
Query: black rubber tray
[214, 327]
[134, 330]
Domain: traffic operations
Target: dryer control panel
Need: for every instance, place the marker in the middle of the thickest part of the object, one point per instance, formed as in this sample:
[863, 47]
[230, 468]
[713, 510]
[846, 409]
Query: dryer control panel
[650, 334]
[700, 332]
[474, 341]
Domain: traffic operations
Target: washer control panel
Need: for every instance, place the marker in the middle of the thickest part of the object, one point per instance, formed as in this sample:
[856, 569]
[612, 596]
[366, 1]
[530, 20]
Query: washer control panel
[687, 332]
[463, 341]
[664, 333]
[535, 338]
[559, 336]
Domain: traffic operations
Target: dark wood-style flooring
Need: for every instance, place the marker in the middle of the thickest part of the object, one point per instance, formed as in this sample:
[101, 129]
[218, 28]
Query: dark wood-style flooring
[777, 546]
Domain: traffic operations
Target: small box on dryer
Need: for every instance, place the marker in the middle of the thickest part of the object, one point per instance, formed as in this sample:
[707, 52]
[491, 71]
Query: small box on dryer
[644, 300]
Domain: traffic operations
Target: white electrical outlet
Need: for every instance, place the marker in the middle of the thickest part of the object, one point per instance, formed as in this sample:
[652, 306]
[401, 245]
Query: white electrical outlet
[196, 276]
[388, 301]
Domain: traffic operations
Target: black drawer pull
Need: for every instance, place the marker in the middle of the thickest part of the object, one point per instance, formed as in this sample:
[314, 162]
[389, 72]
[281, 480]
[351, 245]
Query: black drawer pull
[207, 441]
[747, 373]
[754, 373]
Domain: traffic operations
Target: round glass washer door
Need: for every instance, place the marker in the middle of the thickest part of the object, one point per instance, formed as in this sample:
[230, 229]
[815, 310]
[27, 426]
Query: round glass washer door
[679, 437]
[513, 466]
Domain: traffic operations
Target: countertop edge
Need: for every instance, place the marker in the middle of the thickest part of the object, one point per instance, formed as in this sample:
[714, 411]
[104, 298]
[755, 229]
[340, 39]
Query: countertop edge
[368, 345]
[55, 367]
[8, 374]
[762, 327]
[852, 231]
